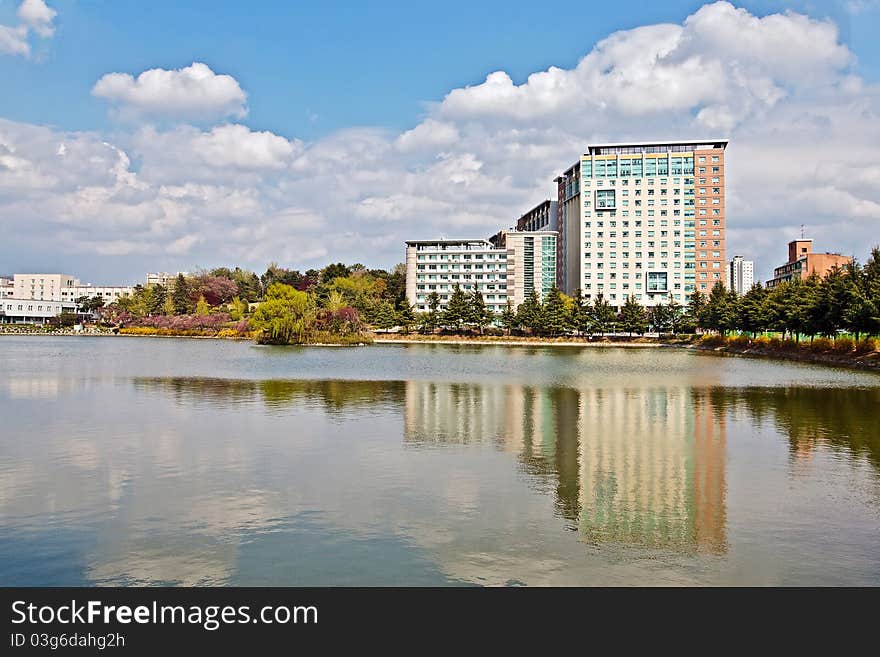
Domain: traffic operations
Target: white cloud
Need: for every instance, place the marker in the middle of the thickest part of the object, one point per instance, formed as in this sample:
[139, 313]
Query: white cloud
[35, 16]
[804, 150]
[38, 16]
[429, 134]
[193, 92]
[13, 40]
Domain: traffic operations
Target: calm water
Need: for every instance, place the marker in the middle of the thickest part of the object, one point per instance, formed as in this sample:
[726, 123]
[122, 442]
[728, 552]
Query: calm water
[138, 461]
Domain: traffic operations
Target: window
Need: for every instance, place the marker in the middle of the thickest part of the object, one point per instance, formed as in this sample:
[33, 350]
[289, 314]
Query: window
[657, 281]
[605, 198]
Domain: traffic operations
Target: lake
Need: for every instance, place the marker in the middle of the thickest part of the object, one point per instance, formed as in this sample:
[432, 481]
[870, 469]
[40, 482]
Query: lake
[136, 461]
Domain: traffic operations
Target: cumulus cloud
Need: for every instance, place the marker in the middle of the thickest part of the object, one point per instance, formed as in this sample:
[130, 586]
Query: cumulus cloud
[36, 16]
[193, 92]
[804, 150]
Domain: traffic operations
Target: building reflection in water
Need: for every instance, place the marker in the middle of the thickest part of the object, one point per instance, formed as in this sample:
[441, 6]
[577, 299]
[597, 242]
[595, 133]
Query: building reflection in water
[639, 466]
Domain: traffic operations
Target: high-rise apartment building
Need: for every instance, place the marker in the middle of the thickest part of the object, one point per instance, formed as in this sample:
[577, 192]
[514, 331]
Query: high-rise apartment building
[740, 275]
[802, 262]
[531, 264]
[541, 217]
[643, 219]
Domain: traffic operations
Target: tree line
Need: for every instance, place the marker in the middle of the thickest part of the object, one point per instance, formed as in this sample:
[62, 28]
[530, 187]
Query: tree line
[343, 298]
[847, 299]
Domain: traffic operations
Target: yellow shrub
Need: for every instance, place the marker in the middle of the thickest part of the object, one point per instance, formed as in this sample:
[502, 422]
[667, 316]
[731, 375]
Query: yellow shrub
[821, 344]
[866, 346]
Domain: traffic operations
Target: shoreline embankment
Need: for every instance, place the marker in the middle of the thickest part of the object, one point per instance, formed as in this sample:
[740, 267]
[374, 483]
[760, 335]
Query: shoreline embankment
[826, 353]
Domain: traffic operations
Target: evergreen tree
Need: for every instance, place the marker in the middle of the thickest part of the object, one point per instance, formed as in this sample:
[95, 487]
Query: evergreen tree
[676, 315]
[157, 303]
[750, 312]
[168, 306]
[696, 308]
[719, 312]
[383, 316]
[632, 316]
[406, 316]
[478, 314]
[456, 310]
[508, 318]
[180, 296]
[602, 318]
[528, 315]
[660, 317]
[554, 319]
[578, 314]
[432, 317]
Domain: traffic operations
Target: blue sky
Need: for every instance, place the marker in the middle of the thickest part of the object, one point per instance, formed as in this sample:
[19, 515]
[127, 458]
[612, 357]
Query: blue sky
[314, 67]
[315, 132]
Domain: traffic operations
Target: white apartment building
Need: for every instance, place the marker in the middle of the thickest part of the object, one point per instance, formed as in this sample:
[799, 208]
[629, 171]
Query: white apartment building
[109, 293]
[439, 265]
[506, 270]
[740, 275]
[30, 311]
[643, 219]
[162, 278]
[45, 287]
[6, 287]
[64, 288]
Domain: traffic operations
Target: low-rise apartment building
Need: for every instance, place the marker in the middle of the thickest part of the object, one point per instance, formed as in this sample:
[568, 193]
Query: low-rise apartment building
[506, 268]
[439, 265]
[162, 278]
[803, 263]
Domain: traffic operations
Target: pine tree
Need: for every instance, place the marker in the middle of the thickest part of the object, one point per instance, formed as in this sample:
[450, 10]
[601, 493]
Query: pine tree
[478, 314]
[406, 316]
[751, 312]
[554, 320]
[603, 318]
[456, 313]
[180, 296]
[508, 318]
[575, 311]
[528, 315]
[696, 308]
[157, 303]
[718, 313]
[676, 315]
[632, 316]
[432, 317]
[660, 318]
[383, 316]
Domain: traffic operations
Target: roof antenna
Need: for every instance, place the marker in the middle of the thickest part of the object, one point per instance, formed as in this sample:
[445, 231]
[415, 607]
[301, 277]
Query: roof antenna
[802, 231]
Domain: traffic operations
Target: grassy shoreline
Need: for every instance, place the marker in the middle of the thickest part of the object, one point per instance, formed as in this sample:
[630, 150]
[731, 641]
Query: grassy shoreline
[866, 361]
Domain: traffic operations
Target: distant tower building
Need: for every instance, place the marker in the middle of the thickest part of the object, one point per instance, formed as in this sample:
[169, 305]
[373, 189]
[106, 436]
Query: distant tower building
[740, 275]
